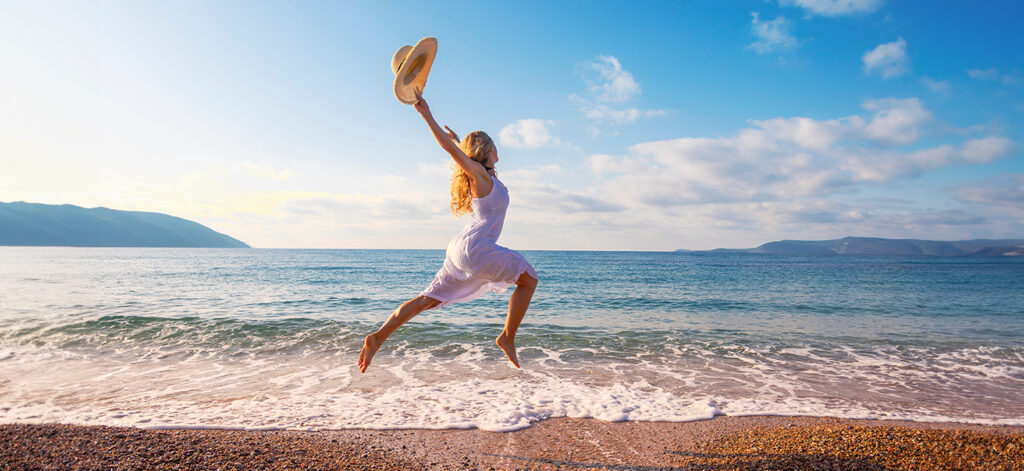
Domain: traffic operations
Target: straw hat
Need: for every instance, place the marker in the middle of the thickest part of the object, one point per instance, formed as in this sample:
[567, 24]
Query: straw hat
[411, 65]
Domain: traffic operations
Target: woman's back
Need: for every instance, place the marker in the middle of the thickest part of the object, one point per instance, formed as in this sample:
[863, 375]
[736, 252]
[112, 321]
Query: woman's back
[488, 214]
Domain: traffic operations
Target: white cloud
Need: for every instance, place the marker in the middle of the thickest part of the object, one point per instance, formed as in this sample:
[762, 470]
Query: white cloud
[532, 174]
[604, 113]
[772, 36]
[602, 164]
[987, 74]
[1012, 78]
[612, 83]
[938, 86]
[864, 164]
[835, 7]
[437, 169]
[1003, 190]
[783, 159]
[986, 149]
[753, 165]
[545, 198]
[888, 59]
[534, 194]
[809, 134]
[896, 121]
[873, 165]
[527, 134]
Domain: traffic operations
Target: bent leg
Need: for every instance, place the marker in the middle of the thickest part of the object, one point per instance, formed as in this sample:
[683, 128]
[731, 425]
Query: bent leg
[400, 316]
[517, 306]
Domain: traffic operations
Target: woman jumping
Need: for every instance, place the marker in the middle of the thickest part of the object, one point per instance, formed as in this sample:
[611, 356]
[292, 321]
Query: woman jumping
[474, 263]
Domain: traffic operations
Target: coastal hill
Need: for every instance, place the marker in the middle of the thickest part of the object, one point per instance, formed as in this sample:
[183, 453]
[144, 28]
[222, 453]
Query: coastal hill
[878, 246]
[32, 224]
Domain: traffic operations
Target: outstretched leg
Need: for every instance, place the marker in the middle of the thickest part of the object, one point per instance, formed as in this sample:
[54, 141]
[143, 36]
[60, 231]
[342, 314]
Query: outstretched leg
[400, 316]
[517, 306]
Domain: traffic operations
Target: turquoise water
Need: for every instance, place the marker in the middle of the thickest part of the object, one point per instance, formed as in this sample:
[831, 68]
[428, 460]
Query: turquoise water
[269, 339]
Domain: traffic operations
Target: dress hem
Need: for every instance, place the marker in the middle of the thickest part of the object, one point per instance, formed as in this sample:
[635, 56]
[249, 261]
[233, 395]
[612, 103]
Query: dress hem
[493, 287]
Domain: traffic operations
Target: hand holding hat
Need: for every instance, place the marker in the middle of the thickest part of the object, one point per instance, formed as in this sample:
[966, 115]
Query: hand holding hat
[411, 66]
[420, 104]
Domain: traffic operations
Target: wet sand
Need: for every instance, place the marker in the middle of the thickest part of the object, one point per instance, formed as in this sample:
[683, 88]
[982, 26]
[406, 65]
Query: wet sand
[721, 443]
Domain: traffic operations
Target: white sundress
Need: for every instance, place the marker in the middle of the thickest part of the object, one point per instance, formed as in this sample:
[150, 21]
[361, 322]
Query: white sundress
[474, 263]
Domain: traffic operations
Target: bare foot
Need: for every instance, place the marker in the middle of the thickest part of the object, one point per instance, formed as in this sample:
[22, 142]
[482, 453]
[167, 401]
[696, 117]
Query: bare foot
[508, 345]
[370, 347]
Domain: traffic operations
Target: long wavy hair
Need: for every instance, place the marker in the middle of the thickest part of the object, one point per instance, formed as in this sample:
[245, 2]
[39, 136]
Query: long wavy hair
[476, 145]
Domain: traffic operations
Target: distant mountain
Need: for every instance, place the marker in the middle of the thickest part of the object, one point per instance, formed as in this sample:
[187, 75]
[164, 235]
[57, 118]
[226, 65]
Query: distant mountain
[35, 224]
[878, 246]
[999, 251]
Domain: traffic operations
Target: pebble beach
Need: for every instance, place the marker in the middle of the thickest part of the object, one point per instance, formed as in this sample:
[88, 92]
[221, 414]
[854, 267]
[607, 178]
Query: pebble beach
[760, 442]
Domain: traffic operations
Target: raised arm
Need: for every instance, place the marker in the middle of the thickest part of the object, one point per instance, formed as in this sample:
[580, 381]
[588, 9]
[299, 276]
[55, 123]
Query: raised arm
[473, 169]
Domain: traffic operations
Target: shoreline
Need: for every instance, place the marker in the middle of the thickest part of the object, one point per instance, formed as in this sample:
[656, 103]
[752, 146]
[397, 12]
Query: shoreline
[724, 442]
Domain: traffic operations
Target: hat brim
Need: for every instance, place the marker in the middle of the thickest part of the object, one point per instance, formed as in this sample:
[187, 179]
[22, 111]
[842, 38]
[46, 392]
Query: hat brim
[412, 74]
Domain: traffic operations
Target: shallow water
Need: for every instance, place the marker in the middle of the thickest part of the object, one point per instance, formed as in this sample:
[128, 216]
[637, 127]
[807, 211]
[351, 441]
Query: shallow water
[269, 339]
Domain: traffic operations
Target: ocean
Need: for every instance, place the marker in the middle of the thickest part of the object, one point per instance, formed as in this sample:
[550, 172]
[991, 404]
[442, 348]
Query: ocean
[268, 339]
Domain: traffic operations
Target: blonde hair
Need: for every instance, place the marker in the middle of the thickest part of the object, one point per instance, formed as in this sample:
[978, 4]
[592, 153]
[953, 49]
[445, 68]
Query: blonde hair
[477, 146]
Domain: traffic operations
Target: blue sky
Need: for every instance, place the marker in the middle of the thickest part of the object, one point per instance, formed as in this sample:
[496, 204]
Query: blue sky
[652, 126]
